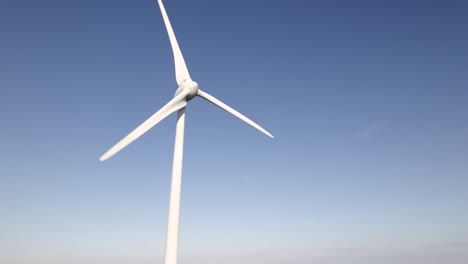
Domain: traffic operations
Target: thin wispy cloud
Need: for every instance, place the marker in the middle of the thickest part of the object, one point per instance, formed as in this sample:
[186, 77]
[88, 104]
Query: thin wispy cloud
[351, 248]
[306, 225]
[371, 129]
[453, 244]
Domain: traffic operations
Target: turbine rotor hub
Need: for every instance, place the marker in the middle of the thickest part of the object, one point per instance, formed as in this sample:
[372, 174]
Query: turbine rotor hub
[190, 87]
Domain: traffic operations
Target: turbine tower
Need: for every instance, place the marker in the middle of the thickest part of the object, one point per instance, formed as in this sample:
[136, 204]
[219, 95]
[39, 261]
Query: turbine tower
[187, 90]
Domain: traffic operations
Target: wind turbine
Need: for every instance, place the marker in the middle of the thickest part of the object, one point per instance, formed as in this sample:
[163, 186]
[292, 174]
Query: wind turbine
[186, 91]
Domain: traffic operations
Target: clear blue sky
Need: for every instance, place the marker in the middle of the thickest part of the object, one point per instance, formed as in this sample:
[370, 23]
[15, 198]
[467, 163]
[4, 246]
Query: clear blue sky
[367, 101]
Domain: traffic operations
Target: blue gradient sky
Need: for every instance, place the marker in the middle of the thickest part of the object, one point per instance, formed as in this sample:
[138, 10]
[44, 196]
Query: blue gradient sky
[367, 101]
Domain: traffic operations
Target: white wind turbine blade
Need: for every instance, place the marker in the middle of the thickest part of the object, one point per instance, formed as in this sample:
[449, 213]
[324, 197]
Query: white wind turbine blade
[173, 105]
[222, 105]
[182, 73]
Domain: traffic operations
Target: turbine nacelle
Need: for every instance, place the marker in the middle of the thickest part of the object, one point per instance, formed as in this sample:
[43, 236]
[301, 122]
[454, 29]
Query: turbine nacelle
[190, 87]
